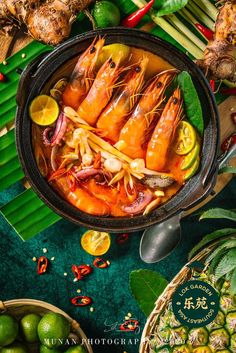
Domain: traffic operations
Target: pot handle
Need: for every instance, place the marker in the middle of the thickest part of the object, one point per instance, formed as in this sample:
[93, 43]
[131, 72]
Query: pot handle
[26, 79]
[206, 187]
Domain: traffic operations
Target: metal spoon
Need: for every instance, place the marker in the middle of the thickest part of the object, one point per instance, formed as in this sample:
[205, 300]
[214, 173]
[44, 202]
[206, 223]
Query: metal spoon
[159, 241]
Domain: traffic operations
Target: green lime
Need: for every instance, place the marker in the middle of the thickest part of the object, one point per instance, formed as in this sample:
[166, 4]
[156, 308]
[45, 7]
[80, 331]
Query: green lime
[44, 349]
[106, 14]
[191, 171]
[76, 349]
[15, 347]
[29, 327]
[8, 329]
[190, 157]
[53, 330]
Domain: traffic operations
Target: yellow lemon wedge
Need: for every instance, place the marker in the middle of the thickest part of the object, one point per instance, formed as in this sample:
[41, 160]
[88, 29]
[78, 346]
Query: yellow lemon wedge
[190, 158]
[118, 52]
[44, 110]
[185, 138]
[96, 243]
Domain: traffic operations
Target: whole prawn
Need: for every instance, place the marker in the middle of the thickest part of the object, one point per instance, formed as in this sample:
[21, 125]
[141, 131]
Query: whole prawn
[115, 114]
[137, 129]
[100, 92]
[160, 142]
[82, 76]
[82, 199]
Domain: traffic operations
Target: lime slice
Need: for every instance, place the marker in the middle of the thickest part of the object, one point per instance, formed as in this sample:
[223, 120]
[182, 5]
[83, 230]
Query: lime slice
[191, 171]
[190, 157]
[116, 51]
[185, 138]
[44, 110]
[95, 243]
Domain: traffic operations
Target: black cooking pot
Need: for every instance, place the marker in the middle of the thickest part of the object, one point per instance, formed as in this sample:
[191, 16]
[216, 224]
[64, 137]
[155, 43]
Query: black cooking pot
[45, 71]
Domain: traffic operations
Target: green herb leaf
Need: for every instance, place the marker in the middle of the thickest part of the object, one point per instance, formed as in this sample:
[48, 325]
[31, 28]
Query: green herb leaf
[191, 101]
[166, 7]
[146, 286]
[233, 282]
[219, 213]
[227, 264]
[211, 237]
[229, 169]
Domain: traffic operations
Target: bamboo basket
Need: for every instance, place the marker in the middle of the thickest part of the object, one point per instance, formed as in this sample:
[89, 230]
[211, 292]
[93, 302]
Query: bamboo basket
[21, 307]
[167, 295]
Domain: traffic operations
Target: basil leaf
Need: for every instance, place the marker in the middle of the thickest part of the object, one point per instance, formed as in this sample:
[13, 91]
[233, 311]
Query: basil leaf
[146, 286]
[211, 237]
[192, 103]
[166, 7]
[219, 213]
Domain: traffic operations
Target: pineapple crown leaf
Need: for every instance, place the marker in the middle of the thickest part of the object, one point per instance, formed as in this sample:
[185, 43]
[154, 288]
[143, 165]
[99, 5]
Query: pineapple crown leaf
[226, 265]
[210, 238]
[215, 261]
[219, 213]
[233, 282]
[227, 244]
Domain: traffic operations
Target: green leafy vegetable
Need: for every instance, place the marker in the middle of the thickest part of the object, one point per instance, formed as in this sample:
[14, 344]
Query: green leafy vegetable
[228, 169]
[191, 101]
[211, 237]
[219, 213]
[146, 286]
[166, 7]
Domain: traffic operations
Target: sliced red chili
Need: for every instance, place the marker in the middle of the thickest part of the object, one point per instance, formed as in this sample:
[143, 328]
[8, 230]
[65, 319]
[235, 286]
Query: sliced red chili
[229, 141]
[97, 161]
[57, 174]
[100, 263]
[133, 19]
[122, 238]
[81, 271]
[129, 325]
[42, 265]
[81, 300]
[71, 181]
[213, 85]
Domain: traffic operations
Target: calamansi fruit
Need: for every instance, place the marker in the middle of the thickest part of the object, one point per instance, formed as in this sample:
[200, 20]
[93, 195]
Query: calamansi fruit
[8, 329]
[53, 329]
[191, 171]
[190, 158]
[15, 347]
[185, 138]
[95, 243]
[28, 327]
[106, 14]
[44, 110]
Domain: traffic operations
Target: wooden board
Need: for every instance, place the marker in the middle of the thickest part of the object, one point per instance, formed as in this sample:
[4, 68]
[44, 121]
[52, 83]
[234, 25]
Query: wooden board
[10, 45]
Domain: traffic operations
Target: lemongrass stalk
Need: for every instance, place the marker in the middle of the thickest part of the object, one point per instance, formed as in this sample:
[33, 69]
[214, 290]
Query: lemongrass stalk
[208, 8]
[174, 20]
[190, 19]
[201, 16]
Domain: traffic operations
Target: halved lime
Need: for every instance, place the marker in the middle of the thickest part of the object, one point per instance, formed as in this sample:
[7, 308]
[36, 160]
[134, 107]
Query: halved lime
[190, 157]
[193, 170]
[44, 110]
[116, 51]
[185, 138]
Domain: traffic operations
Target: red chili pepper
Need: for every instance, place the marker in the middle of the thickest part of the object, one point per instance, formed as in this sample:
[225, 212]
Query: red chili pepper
[100, 263]
[81, 271]
[2, 77]
[71, 181]
[233, 117]
[97, 160]
[229, 91]
[57, 174]
[42, 265]
[213, 85]
[129, 325]
[229, 142]
[81, 300]
[133, 19]
[208, 33]
[122, 238]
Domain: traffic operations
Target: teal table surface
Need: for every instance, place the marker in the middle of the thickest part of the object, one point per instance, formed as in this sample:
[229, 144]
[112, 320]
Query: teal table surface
[109, 288]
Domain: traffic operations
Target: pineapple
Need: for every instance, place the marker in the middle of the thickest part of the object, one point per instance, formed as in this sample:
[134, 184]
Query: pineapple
[170, 336]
